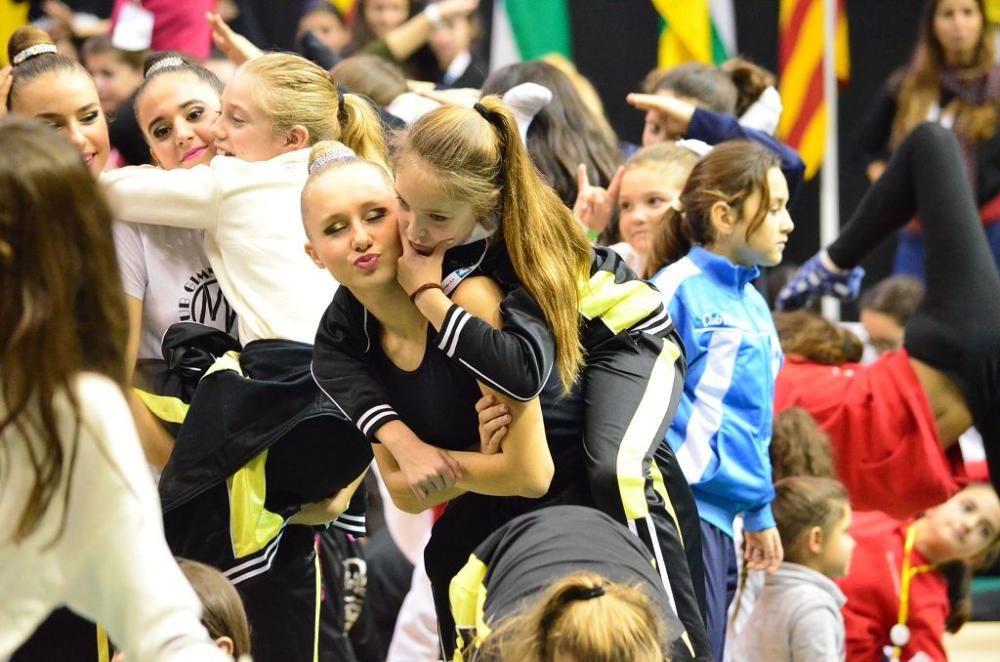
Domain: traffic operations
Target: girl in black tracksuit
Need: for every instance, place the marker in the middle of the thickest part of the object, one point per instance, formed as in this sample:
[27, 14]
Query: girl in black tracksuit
[634, 365]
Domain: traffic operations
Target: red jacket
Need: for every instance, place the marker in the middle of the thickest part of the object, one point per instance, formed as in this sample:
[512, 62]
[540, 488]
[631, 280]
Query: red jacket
[881, 427]
[872, 588]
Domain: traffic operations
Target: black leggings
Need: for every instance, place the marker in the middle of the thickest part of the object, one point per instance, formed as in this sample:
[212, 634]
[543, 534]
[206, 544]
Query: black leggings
[956, 328]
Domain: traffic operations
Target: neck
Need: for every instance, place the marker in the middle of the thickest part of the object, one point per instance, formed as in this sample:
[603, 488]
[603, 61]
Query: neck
[393, 309]
[921, 542]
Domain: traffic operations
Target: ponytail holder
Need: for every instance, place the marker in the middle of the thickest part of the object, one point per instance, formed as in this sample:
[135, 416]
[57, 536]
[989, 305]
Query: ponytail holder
[341, 108]
[32, 51]
[677, 206]
[587, 593]
[167, 62]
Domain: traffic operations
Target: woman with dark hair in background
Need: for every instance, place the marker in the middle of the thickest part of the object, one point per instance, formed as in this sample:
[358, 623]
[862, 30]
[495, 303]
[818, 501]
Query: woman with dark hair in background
[952, 79]
[80, 519]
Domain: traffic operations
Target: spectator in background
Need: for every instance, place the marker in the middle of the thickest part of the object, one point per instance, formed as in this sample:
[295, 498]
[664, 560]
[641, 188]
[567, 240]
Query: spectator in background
[885, 310]
[117, 74]
[952, 79]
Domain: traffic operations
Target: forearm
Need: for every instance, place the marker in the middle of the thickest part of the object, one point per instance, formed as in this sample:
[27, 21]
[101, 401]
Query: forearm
[404, 41]
[324, 512]
[501, 475]
[179, 198]
[157, 443]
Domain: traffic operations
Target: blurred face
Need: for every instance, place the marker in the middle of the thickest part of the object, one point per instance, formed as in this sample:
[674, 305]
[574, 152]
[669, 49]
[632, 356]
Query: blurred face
[67, 101]
[350, 221]
[835, 559]
[115, 80]
[765, 245]
[661, 128]
[962, 527]
[384, 15]
[243, 129]
[426, 216]
[958, 26]
[176, 112]
[327, 28]
[644, 198]
[451, 39]
[884, 333]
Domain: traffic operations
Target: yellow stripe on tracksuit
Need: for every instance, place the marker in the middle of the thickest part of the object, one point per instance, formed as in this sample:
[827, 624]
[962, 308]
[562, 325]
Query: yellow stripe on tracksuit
[251, 525]
[467, 594]
[644, 424]
[620, 306]
[165, 407]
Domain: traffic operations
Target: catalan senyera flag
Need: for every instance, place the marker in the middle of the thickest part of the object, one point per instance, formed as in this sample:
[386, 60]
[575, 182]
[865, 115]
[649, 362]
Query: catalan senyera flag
[800, 76]
[695, 30]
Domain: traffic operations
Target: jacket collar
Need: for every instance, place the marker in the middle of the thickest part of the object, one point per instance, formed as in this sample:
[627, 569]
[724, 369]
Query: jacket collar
[721, 269]
[792, 573]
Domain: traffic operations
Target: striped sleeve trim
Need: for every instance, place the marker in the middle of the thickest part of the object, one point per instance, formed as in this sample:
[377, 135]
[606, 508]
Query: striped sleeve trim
[354, 524]
[379, 413]
[454, 321]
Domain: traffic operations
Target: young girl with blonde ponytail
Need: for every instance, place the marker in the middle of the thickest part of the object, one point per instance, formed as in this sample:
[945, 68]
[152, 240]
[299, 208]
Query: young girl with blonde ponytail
[472, 203]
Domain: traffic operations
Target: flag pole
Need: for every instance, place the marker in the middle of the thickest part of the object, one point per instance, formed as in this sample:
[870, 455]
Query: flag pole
[829, 192]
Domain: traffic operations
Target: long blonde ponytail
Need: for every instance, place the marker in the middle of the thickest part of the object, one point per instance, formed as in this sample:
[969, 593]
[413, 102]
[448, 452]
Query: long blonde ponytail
[476, 153]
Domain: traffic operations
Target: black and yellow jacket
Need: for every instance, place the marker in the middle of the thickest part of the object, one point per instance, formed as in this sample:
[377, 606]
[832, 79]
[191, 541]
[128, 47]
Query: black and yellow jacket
[521, 559]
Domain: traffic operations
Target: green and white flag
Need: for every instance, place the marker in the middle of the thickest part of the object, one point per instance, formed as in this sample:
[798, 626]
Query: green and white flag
[529, 29]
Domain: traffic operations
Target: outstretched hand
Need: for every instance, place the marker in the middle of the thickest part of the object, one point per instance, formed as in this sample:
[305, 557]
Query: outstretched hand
[233, 45]
[595, 205]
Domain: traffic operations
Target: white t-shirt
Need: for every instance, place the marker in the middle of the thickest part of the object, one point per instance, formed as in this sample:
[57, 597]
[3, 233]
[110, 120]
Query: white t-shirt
[111, 563]
[166, 268]
[254, 238]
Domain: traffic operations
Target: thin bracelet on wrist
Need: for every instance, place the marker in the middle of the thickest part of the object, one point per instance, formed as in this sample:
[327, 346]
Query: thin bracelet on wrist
[424, 288]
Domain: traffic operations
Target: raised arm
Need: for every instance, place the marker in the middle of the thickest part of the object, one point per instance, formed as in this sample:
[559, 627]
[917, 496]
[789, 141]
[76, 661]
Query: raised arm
[180, 198]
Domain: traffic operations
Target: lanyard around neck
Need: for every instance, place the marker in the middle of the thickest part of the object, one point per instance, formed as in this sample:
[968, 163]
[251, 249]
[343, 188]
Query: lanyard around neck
[900, 633]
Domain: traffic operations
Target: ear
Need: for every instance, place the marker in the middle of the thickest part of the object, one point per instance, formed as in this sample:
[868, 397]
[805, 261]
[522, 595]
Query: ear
[723, 218]
[226, 645]
[297, 137]
[814, 540]
[311, 252]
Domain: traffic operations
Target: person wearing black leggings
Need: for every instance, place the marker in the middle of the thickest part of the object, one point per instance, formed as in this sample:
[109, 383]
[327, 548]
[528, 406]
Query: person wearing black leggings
[953, 338]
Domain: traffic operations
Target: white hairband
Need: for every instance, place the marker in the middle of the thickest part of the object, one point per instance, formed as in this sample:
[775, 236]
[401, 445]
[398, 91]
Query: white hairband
[172, 61]
[32, 51]
[677, 205]
[339, 153]
[699, 147]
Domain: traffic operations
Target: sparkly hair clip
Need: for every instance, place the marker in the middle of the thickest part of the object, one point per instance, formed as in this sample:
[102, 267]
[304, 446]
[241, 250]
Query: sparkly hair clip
[339, 153]
[166, 63]
[32, 51]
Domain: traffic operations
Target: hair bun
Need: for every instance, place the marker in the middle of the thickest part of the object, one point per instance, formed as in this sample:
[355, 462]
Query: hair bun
[25, 38]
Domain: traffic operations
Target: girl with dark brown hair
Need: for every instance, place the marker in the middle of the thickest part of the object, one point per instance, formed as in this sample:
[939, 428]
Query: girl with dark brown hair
[730, 219]
[71, 470]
